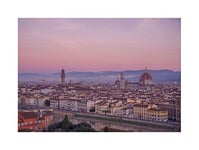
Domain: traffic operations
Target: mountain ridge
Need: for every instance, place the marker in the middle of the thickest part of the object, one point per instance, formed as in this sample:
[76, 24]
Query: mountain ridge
[103, 76]
[152, 70]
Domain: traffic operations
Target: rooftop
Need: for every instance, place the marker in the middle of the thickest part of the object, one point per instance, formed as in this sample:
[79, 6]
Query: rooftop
[27, 115]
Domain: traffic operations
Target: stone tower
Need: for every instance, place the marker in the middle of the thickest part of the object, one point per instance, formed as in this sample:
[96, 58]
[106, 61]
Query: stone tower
[62, 76]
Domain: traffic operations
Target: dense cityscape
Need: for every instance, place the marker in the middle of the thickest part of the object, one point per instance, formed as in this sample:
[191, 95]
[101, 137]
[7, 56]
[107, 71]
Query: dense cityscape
[89, 75]
[121, 106]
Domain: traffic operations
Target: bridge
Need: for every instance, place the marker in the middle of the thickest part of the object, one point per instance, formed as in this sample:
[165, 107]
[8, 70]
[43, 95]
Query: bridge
[123, 122]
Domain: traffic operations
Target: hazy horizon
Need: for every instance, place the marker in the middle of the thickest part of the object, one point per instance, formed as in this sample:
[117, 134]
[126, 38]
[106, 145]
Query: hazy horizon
[94, 45]
[109, 76]
[59, 71]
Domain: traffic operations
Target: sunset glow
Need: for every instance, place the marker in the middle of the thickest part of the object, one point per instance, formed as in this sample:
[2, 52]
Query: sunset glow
[47, 45]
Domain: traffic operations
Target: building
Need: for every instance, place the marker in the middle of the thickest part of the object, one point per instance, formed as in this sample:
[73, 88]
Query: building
[117, 83]
[178, 109]
[68, 104]
[157, 114]
[132, 85]
[102, 107]
[62, 76]
[31, 121]
[40, 101]
[171, 108]
[35, 101]
[117, 110]
[35, 121]
[82, 105]
[121, 111]
[146, 78]
[121, 83]
[90, 106]
[140, 110]
[48, 118]
[54, 102]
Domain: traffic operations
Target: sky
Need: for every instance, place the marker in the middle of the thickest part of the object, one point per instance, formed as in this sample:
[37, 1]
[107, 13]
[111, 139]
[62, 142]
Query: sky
[46, 45]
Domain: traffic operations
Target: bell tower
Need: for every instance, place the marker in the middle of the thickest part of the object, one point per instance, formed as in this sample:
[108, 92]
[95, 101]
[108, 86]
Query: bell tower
[62, 76]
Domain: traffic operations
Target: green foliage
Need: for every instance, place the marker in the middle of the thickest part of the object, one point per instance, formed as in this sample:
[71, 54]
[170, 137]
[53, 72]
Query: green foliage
[83, 127]
[92, 110]
[67, 126]
[106, 129]
[47, 103]
[53, 127]
[26, 130]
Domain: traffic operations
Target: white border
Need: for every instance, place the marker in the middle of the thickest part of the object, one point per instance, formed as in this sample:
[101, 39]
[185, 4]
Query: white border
[11, 10]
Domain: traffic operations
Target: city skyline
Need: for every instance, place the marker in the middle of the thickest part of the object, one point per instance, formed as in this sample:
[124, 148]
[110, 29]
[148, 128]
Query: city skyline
[47, 45]
[99, 75]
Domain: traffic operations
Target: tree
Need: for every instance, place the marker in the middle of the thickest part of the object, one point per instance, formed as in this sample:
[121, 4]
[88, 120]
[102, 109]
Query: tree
[106, 129]
[66, 124]
[26, 130]
[92, 110]
[83, 127]
[47, 103]
[53, 127]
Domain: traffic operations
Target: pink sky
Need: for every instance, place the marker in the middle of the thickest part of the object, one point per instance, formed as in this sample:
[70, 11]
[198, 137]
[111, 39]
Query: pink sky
[47, 45]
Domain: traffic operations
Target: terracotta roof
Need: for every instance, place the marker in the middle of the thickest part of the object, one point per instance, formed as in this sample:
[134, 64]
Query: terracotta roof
[140, 105]
[145, 76]
[27, 115]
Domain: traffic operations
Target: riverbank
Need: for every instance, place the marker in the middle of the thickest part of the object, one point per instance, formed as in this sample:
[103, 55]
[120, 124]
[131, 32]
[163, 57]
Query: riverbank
[146, 125]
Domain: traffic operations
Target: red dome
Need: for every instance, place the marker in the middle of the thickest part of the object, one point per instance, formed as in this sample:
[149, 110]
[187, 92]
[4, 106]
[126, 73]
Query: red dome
[145, 76]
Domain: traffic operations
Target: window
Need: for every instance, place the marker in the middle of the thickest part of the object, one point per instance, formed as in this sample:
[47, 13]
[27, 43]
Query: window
[30, 122]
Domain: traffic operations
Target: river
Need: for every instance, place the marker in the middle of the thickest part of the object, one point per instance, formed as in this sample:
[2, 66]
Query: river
[98, 125]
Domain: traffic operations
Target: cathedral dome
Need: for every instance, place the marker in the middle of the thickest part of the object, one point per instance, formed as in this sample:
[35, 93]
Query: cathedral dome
[146, 78]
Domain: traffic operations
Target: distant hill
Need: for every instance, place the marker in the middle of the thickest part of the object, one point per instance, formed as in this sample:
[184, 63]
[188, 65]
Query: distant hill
[104, 76]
